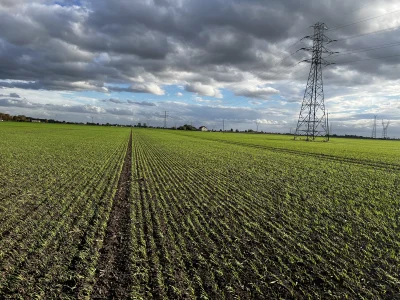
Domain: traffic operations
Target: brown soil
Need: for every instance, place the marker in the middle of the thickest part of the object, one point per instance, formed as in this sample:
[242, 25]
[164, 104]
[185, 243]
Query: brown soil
[113, 274]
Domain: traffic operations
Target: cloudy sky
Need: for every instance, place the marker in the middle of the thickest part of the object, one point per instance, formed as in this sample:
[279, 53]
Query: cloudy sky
[126, 61]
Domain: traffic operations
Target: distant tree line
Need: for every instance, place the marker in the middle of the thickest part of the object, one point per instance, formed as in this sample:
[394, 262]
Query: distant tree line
[187, 127]
[19, 118]
[22, 118]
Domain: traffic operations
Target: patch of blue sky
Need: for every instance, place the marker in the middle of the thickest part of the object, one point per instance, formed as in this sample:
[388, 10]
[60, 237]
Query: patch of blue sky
[230, 99]
[118, 85]
[69, 3]
[86, 94]
[121, 95]
[177, 93]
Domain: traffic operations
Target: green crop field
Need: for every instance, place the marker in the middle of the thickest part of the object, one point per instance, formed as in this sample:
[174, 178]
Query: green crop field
[87, 212]
[57, 185]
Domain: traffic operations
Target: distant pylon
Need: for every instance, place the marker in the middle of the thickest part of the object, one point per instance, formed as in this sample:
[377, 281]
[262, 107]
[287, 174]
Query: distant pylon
[385, 128]
[374, 129]
[165, 119]
[312, 120]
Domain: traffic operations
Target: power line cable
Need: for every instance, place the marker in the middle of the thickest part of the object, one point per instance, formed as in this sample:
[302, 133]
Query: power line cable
[277, 70]
[364, 59]
[260, 74]
[278, 86]
[287, 56]
[291, 80]
[363, 20]
[368, 33]
[284, 58]
[368, 49]
[362, 7]
[348, 52]
[337, 27]
[357, 9]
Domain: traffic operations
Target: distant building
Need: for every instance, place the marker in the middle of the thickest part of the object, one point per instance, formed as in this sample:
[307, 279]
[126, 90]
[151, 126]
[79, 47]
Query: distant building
[203, 128]
[35, 121]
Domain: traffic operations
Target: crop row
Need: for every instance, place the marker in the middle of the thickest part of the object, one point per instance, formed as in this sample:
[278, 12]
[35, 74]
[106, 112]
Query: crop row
[212, 217]
[373, 152]
[56, 197]
[223, 222]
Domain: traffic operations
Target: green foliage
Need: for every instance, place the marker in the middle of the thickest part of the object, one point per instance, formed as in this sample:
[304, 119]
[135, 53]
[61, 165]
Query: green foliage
[187, 127]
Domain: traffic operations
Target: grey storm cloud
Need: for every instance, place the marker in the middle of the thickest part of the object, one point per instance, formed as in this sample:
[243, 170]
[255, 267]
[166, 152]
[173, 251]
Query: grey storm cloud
[119, 111]
[14, 95]
[54, 85]
[18, 103]
[150, 88]
[142, 103]
[118, 101]
[53, 107]
[213, 115]
[257, 92]
[11, 95]
[113, 100]
[83, 47]
[76, 108]
[62, 108]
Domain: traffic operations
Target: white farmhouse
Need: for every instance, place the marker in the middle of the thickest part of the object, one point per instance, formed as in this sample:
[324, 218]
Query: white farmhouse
[203, 128]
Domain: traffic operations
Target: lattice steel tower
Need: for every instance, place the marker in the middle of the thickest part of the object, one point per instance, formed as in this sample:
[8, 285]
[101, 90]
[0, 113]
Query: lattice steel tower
[312, 120]
[374, 129]
[385, 128]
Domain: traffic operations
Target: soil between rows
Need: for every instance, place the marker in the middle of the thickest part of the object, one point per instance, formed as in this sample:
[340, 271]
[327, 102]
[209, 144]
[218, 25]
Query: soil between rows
[113, 274]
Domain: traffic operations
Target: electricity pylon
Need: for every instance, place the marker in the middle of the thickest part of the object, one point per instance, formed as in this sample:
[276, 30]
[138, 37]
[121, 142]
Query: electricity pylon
[374, 129]
[165, 119]
[312, 121]
[257, 124]
[385, 128]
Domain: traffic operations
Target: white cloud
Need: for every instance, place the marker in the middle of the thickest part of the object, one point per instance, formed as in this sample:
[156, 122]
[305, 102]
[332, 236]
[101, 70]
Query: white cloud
[142, 103]
[255, 102]
[151, 88]
[114, 100]
[204, 90]
[199, 99]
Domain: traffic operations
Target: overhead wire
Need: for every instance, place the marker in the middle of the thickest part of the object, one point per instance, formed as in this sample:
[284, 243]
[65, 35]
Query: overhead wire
[388, 45]
[383, 46]
[287, 56]
[365, 59]
[260, 74]
[278, 86]
[357, 9]
[368, 33]
[362, 7]
[279, 69]
[364, 20]
[338, 40]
